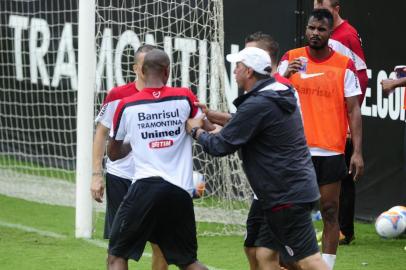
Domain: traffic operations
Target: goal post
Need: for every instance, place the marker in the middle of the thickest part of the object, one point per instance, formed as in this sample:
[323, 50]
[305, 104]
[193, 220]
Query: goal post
[85, 107]
[59, 58]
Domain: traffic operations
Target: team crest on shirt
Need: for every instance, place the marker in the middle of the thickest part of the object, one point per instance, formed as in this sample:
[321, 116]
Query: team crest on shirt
[289, 250]
[156, 94]
[330, 75]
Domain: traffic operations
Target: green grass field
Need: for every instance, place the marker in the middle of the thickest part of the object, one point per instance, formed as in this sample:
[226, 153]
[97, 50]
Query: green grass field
[24, 244]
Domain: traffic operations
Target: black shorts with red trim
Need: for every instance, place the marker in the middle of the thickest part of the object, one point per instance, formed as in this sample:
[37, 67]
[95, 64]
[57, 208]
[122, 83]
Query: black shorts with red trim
[292, 231]
[158, 211]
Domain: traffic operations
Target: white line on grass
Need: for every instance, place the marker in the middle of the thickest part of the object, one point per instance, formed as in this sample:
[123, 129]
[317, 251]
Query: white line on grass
[94, 242]
[30, 229]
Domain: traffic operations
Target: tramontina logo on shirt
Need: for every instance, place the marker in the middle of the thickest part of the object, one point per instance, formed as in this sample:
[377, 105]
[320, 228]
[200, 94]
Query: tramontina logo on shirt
[161, 144]
[289, 250]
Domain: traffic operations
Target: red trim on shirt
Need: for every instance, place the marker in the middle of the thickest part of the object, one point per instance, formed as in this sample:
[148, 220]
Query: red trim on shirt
[280, 79]
[155, 94]
[121, 92]
[347, 35]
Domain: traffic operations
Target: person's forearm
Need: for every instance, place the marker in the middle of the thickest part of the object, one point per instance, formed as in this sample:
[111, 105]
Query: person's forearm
[355, 123]
[117, 149]
[400, 82]
[214, 144]
[99, 147]
[219, 118]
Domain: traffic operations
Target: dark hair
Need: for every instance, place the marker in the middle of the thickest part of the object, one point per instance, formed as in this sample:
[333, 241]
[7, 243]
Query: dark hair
[333, 3]
[265, 42]
[142, 49]
[321, 14]
[155, 62]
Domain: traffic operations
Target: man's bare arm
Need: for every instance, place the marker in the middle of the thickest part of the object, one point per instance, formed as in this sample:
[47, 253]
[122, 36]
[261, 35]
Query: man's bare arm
[215, 117]
[99, 147]
[355, 123]
[219, 118]
[390, 84]
[117, 149]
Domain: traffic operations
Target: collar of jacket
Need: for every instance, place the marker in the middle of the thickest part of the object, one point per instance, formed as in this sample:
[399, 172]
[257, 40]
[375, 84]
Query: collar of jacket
[257, 86]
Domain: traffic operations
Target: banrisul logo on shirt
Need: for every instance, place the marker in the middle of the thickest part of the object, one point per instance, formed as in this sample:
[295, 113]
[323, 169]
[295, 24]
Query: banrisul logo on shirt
[160, 126]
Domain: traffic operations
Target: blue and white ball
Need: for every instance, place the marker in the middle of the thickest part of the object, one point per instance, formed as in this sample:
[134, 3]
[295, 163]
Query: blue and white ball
[390, 224]
[399, 209]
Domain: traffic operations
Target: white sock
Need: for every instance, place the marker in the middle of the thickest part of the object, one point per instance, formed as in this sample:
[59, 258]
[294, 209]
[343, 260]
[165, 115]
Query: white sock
[330, 259]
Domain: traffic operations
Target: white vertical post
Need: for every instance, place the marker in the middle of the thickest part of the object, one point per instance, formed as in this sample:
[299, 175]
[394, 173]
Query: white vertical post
[86, 87]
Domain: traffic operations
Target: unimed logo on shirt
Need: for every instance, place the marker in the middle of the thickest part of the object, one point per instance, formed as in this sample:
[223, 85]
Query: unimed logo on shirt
[161, 144]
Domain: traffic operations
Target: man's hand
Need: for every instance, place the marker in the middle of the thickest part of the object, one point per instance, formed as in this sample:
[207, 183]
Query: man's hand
[217, 129]
[388, 85]
[293, 67]
[356, 166]
[97, 187]
[195, 122]
[202, 106]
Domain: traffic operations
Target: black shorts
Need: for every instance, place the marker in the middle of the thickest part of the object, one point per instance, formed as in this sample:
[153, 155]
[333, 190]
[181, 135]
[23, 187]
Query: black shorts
[292, 231]
[329, 169]
[156, 210]
[258, 234]
[116, 189]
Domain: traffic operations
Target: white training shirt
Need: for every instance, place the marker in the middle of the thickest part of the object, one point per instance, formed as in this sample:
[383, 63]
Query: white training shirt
[124, 167]
[155, 119]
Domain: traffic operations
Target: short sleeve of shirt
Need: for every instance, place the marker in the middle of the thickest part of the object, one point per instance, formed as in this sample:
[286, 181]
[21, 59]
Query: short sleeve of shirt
[195, 111]
[106, 114]
[118, 130]
[283, 64]
[351, 83]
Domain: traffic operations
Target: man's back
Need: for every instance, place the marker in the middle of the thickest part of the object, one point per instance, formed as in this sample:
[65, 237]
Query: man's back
[155, 121]
[268, 128]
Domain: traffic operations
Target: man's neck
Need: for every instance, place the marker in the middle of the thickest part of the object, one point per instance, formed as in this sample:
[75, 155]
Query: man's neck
[249, 85]
[140, 84]
[338, 22]
[321, 53]
[154, 84]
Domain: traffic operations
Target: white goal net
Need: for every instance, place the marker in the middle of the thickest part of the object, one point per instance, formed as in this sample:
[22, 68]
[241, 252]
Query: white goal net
[38, 89]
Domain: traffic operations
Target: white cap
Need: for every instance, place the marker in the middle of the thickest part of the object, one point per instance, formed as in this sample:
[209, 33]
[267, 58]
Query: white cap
[252, 57]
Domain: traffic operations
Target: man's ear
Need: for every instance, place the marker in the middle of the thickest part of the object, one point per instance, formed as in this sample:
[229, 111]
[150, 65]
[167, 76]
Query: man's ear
[135, 68]
[250, 73]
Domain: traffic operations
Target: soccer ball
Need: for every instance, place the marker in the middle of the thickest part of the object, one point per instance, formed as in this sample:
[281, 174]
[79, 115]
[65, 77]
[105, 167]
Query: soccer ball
[399, 209]
[199, 185]
[390, 224]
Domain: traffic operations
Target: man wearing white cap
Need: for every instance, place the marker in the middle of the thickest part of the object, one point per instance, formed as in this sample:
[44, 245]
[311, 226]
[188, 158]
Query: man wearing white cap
[268, 129]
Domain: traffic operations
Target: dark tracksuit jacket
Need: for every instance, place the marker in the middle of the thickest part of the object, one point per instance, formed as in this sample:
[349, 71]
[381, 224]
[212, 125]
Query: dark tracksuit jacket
[268, 129]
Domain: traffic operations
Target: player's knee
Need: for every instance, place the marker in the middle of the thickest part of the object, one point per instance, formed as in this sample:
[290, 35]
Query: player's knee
[113, 260]
[329, 212]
